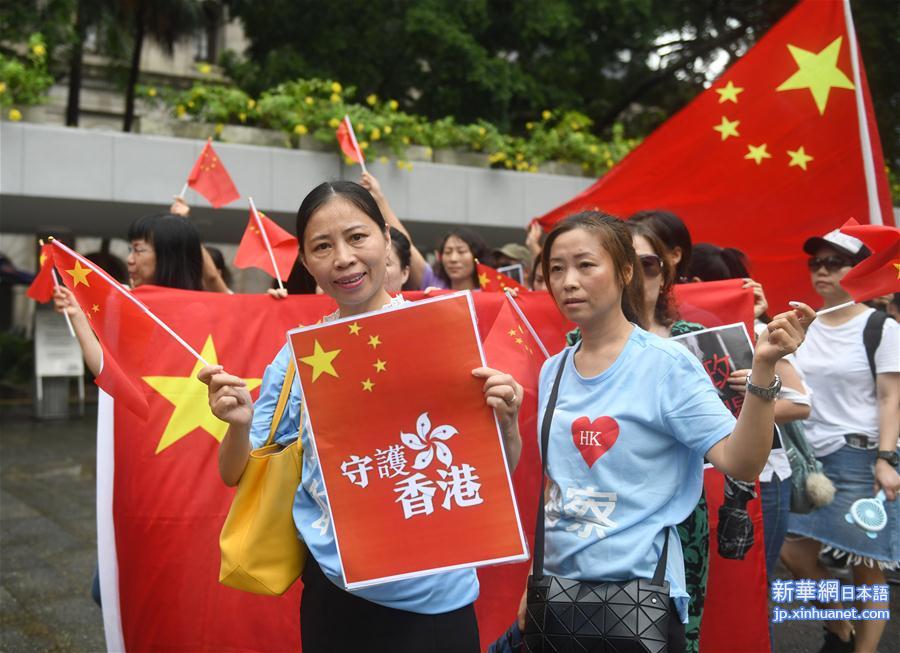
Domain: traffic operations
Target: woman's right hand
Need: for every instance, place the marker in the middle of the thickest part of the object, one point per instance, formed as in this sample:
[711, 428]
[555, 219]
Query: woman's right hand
[229, 399]
[370, 183]
[64, 301]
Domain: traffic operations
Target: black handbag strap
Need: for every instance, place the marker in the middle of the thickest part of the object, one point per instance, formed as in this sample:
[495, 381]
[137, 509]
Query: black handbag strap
[537, 568]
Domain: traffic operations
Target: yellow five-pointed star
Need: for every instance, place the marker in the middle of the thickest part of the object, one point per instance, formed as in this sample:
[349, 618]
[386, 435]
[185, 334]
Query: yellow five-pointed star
[519, 341]
[757, 153]
[729, 92]
[818, 72]
[367, 385]
[727, 127]
[897, 265]
[512, 332]
[189, 396]
[354, 328]
[799, 158]
[374, 341]
[483, 280]
[380, 365]
[80, 274]
[96, 308]
[321, 361]
[43, 258]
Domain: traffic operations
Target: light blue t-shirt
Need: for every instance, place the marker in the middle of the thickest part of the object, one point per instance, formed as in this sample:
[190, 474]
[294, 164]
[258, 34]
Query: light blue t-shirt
[432, 594]
[626, 461]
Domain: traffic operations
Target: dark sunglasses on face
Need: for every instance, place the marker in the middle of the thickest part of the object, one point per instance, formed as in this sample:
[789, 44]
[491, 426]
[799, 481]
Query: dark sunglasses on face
[652, 265]
[831, 263]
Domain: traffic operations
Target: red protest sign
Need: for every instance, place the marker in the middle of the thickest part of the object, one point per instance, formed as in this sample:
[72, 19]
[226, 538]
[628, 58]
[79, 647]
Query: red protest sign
[411, 455]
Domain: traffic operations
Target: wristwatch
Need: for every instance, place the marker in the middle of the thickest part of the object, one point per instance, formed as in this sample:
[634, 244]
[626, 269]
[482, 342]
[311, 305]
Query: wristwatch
[770, 393]
[892, 458]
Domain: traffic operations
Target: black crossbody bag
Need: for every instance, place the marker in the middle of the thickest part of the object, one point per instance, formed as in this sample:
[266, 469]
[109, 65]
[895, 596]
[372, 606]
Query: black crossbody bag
[572, 615]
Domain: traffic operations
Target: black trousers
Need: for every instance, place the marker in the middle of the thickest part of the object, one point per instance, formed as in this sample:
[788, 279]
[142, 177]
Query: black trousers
[335, 621]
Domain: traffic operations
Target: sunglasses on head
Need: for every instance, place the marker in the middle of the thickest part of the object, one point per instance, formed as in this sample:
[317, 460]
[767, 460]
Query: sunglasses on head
[831, 263]
[651, 264]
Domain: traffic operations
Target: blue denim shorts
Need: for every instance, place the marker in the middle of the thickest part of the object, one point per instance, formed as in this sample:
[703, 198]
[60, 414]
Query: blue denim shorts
[851, 471]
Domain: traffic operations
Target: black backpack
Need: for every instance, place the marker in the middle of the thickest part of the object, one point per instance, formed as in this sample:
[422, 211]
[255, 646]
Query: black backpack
[872, 336]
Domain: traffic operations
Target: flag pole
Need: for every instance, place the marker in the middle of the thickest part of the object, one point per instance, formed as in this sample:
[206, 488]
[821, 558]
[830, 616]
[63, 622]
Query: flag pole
[115, 284]
[183, 190]
[528, 326]
[53, 274]
[265, 237]
[362, 160]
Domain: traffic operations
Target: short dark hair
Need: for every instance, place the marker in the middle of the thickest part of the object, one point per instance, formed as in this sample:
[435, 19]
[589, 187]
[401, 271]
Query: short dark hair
[402, 246]
[672, 231]
[713, 263]
[475, 242]
[617, 242]
[327, 191]
[176, 244]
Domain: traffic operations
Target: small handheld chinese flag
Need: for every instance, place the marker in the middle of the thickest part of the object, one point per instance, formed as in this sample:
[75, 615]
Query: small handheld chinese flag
[492, 281]
[346, 138]
[879, 274]
[210, 178]
[252, 252]
[41, 289]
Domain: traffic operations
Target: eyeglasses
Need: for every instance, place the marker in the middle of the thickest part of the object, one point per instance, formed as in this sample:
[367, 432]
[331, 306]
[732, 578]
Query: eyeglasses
[652, 265]
[831, 263]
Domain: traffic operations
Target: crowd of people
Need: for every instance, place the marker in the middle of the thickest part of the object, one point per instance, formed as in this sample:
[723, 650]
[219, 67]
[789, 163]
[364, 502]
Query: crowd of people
[615, 280]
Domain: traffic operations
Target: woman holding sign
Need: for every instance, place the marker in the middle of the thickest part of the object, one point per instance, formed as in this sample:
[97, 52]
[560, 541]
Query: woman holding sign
[345, 245]
[634, 416]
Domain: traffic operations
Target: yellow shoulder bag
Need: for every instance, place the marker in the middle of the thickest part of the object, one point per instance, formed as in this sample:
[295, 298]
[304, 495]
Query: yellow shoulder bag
[261, 550]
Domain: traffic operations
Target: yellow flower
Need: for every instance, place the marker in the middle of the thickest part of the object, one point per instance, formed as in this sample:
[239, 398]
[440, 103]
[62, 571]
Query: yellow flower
[400, 164]
[335, 98]
[522, 165]
[242, 117]
[482, 131]
[360, 127]
[387, 130]
[533, 168]
[204, 68]
[251, 103]
[180, 111]
[383, 159]
[364, 145]
[308, 100]
[529, 126]
[15, 115]
[375, 134]
[394, 105]
[300, 130]
[575, 126]
[609, 163]
[333, 123]
[219, 128]
[508, 164]
[372, 100]
[546, 115]
[405, 140]
[39, 50]
[190, 104]
[151, 91]
[593, 149]
[336, 87]
[2, 87]
[520, 156]
[428, 152]
[409, 165]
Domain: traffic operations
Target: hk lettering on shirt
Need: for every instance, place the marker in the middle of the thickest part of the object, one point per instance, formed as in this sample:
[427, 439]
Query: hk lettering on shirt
[591, 438]
[419, 484]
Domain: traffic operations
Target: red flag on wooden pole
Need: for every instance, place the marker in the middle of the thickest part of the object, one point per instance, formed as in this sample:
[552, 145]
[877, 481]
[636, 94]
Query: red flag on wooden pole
[346, 138]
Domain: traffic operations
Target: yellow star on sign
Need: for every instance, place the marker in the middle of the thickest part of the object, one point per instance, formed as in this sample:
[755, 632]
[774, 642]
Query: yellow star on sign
[367, 385]
[727, 128]
[354, 328]
[380, 365]
[483, 280]
[818, 72]
[189, 396]
[799, 158]
[321, 361]
[374, 341]
[729, 93]
[757, 153]
[79, 274]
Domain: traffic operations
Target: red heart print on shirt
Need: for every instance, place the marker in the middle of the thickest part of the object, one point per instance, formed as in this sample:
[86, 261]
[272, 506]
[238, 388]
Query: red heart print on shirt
[593, 439]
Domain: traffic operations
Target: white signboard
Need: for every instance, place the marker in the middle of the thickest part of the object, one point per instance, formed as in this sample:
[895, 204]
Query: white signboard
[56, 352]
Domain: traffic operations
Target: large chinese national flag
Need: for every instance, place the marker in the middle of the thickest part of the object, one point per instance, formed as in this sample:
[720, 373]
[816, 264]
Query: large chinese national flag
[410, 453]
[782, 147]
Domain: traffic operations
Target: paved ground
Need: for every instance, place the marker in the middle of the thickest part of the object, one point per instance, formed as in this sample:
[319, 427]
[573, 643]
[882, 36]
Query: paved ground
[48, 544]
